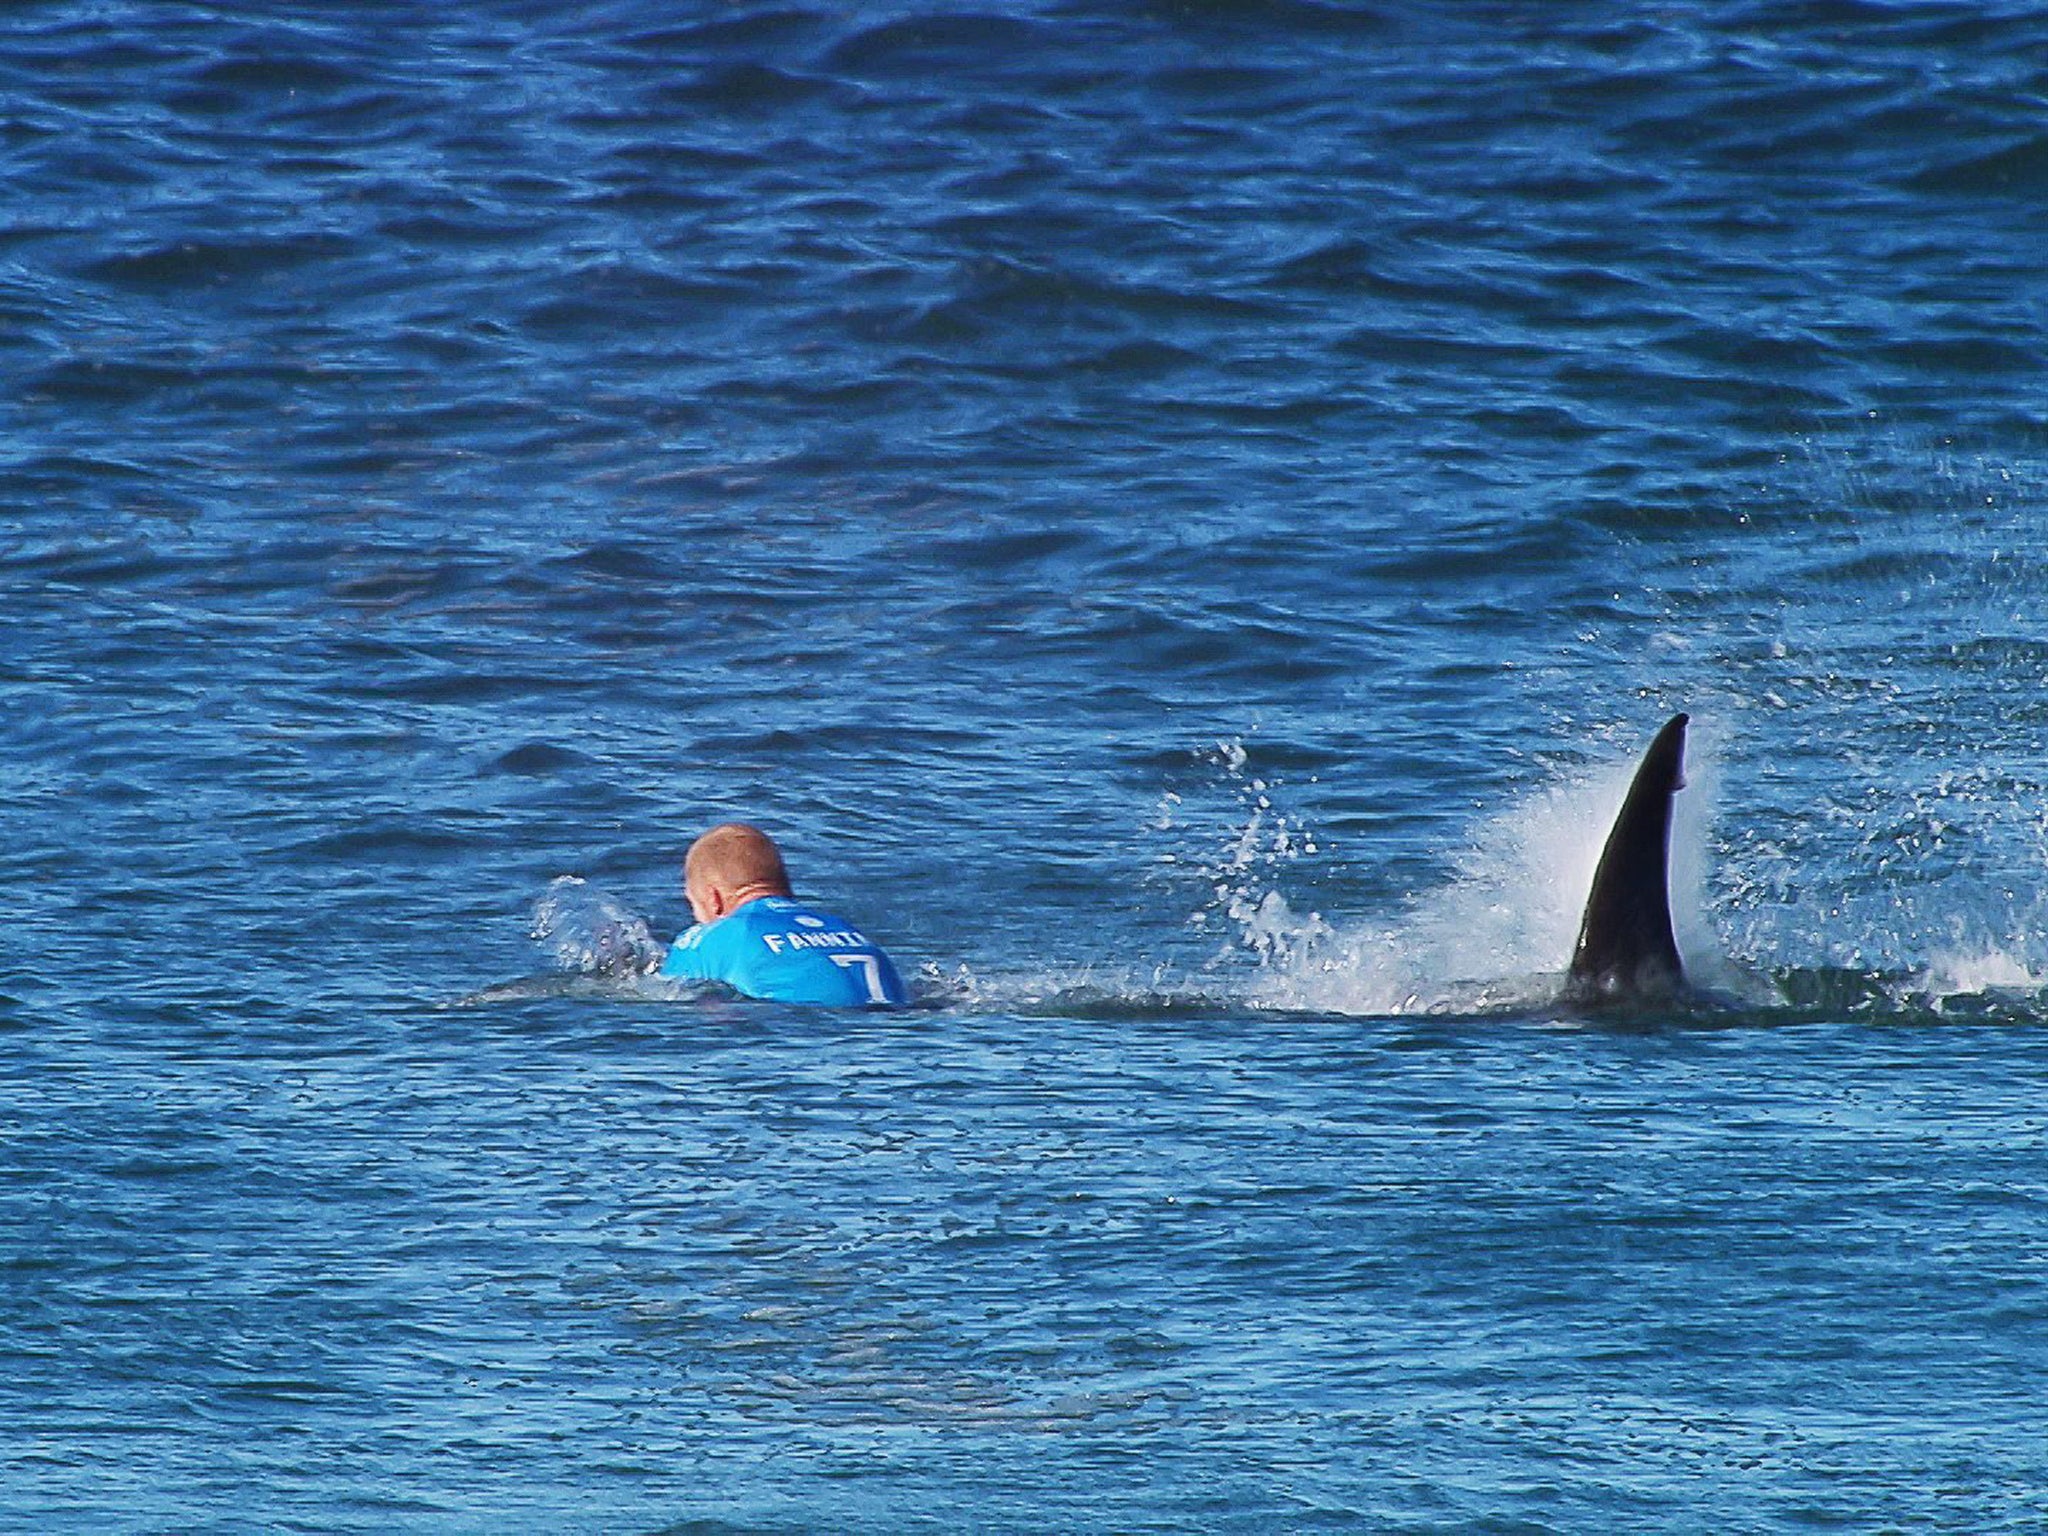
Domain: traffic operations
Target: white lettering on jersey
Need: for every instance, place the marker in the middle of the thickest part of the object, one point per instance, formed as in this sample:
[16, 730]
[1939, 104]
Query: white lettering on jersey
[844, 938]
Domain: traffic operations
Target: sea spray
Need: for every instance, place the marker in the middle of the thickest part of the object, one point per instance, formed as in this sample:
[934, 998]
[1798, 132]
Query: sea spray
[588, 931]
[1497, 934]
[1942, 879]
[1980, 973]
[1256, 844]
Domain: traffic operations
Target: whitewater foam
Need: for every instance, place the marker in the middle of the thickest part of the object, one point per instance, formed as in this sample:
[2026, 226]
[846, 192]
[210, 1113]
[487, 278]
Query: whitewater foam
[1497, 935]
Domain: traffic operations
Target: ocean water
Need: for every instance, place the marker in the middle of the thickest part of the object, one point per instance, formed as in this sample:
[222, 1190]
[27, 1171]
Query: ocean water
[1179, 517]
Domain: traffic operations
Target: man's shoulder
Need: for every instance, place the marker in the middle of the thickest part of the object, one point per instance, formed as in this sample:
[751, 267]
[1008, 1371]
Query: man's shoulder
[736, 927]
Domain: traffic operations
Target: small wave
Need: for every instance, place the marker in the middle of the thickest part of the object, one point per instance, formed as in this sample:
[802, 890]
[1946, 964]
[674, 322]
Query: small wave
[2015, 168]
[200, 263]
[537, 760]
[919, 47]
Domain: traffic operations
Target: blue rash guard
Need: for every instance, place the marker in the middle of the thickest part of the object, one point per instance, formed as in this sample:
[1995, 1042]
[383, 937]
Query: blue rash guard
[778, 948]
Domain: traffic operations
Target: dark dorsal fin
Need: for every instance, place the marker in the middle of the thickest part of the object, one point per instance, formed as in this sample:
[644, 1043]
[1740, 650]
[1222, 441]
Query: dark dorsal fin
[1626, 950]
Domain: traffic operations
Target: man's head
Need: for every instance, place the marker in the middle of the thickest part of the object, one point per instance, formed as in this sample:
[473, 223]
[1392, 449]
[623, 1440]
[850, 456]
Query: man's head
[729, 866]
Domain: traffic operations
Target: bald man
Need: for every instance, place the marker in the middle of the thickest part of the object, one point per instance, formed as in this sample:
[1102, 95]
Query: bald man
[757, 938]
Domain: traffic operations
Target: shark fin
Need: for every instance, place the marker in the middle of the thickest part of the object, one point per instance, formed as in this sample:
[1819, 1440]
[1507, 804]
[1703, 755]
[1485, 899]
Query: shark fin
[1626, 951]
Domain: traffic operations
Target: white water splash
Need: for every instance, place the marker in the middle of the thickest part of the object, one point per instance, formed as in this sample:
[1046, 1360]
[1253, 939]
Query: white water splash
[1499, 933]
[1266, 840]
[588, 931]
[1979, 973]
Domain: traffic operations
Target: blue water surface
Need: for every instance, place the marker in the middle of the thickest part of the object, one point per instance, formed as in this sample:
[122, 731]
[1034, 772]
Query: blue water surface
[1179, 518]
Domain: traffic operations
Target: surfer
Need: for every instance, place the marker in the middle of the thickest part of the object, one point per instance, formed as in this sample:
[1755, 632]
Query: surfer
[754, 935]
